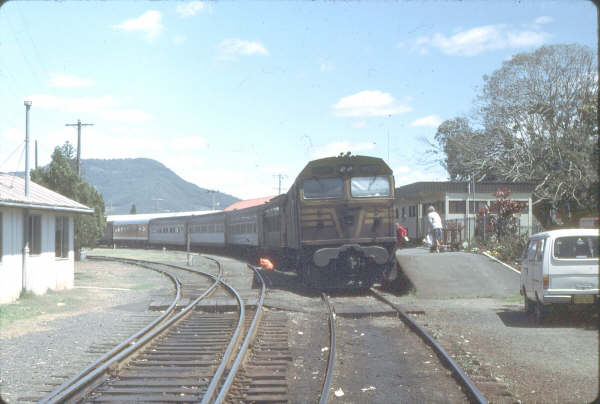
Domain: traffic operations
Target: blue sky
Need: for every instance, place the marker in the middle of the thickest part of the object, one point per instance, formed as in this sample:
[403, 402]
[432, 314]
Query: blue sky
[229, 94]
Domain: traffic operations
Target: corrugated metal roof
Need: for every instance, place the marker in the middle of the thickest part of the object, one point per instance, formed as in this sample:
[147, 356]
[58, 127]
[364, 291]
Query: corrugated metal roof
[12, 193]
[249, 203]
[461, 186]
[146, 217]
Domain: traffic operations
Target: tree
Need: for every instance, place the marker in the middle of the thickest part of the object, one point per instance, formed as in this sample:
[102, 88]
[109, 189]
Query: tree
[537, 123]
[461, 148]
[133, 210]
[61, 176]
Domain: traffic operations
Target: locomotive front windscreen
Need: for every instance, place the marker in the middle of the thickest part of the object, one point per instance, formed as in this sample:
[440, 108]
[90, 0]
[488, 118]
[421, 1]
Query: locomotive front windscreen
[323, 188]
[373, 186]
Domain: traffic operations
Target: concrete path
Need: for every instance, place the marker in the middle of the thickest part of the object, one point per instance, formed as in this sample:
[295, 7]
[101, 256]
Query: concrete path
[456, 274]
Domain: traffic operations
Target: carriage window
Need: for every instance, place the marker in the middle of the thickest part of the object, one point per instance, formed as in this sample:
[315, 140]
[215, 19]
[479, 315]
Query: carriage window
[578, 247]
[323, 188]
[362, 187]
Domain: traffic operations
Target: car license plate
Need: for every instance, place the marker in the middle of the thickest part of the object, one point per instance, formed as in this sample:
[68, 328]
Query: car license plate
[583, 299]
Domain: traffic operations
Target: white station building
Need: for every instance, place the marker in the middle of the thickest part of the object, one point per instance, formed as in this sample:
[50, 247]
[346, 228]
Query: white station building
[36, 238]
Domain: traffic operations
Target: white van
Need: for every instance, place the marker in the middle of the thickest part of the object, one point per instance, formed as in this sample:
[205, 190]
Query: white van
[560, 267]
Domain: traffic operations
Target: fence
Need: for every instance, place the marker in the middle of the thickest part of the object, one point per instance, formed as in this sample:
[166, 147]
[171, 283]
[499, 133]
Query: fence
[469, 229]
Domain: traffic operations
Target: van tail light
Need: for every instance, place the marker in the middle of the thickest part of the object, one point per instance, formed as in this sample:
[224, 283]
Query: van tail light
[546, 283]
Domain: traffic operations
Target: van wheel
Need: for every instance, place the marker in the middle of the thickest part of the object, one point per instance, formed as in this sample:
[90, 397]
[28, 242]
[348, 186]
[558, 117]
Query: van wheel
[540, 313]
[527, 304]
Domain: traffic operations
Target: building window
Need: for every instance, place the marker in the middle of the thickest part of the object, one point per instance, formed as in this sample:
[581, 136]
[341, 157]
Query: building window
[35, 234]
[61, 237]
[475, 206]
[412, 211]
[403, 212]
[457, 207]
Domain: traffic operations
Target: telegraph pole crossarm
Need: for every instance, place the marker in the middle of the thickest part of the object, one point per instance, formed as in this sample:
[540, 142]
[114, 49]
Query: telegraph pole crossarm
[79, 125]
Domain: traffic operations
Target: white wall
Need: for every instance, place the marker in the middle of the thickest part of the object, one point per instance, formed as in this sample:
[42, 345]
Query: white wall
[44, 271]
[11, 272]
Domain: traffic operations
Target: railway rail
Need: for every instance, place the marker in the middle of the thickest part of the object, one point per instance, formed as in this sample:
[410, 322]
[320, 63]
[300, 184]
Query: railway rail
[182, 356]
[473, 392]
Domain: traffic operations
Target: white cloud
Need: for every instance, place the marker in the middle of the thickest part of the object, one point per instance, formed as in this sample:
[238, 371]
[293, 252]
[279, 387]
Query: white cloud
[231, 48]
[148, 23]
[72, 104]
[481, 39]
[369, 103]
[179, 39]
[544, 19]
[105, 107]
[326, 67]
[404, 175]
[359, 124]
[335, 148]
[63, 80]
[432, 121]
[190, 9]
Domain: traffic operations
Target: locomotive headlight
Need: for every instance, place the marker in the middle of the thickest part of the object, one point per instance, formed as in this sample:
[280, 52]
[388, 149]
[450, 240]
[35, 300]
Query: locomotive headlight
[342, 169]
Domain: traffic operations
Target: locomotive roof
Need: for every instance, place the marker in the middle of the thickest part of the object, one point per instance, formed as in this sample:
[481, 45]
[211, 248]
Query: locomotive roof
[374, 166]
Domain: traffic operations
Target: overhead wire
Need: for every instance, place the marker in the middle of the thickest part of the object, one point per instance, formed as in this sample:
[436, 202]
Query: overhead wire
[35, 49]
[25, 58]
[11, 154]
[18, 164]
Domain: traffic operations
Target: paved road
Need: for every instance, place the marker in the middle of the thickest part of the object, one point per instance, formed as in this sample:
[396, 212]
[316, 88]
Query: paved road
[456, 274]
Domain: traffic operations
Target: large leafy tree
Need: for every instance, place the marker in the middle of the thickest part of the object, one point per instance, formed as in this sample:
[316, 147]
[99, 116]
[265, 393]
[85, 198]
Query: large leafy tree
[536, 120]
[61, 176]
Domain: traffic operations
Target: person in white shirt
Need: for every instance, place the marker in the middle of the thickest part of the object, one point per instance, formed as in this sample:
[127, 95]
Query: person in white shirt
[435, 224]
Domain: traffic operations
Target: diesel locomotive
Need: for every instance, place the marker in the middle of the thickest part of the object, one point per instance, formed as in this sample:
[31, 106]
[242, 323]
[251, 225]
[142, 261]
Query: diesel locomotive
[340, 221]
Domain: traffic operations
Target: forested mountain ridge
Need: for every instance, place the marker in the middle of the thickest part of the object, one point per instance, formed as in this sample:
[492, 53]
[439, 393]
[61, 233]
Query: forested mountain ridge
[149, 185]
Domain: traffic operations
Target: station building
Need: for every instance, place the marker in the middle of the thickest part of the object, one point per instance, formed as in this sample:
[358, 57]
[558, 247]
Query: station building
[457, 203]
[43, 222]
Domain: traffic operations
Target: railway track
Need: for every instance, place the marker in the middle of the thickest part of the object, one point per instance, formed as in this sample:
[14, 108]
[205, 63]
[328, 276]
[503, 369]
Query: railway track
[183, 356]
[471, 390]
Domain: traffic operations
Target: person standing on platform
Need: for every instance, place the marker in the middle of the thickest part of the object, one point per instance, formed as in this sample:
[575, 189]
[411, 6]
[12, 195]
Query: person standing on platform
[435, 225]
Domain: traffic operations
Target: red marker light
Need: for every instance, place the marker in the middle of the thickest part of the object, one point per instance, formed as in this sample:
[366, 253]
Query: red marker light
[266, 264]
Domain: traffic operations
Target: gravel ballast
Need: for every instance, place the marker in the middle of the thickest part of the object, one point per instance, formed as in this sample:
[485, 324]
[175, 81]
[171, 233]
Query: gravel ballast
[54, 340]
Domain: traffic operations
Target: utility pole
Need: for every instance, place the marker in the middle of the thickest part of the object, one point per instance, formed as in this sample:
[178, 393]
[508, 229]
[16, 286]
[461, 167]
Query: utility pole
[79, 125]
[279, 178]
[156, 200]
[36, 164]
[213, 192]
[27, 106]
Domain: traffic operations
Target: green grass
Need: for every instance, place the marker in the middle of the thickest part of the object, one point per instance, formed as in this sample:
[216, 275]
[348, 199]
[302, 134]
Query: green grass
[513, 299]
[30, 305]
[150, 255]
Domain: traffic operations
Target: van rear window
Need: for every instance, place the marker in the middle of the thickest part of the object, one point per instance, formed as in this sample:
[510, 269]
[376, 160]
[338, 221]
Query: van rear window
[578, 247]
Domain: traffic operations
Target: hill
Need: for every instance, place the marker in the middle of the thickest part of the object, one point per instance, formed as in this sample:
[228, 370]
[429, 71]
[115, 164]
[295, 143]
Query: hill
[149, 185]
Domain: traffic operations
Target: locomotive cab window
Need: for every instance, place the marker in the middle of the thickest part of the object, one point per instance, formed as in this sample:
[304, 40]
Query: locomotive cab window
[375, 186]
[323, 188]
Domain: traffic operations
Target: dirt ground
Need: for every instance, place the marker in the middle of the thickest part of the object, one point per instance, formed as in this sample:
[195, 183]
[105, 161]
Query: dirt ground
[493, 340]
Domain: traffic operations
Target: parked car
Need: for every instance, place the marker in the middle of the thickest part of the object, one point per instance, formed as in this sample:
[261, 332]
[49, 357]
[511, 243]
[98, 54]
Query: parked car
[560, 267]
